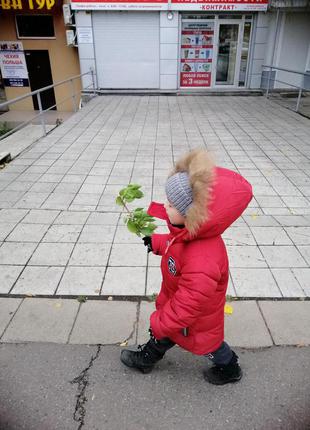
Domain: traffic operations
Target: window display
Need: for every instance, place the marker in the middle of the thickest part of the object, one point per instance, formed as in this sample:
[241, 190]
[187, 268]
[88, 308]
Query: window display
[196, 54]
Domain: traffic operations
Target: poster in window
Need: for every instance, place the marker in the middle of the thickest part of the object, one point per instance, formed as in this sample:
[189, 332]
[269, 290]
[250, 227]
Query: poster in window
[13, 64]
[196, 54]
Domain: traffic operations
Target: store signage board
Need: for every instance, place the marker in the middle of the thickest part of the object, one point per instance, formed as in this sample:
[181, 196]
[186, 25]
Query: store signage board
[220, 5]
[40, 5]
[119, 5]
[185, 5]
[13, 64]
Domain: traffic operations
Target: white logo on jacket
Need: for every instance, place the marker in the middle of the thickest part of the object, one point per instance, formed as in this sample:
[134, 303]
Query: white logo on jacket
[171, 266]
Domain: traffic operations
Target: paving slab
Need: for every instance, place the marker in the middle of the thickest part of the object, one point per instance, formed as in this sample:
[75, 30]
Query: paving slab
[42, 320]
[146, 309]
[14, 253]
[257, 282]
[8, 307]
[245, 327]
[81, 280]
[288, 322]
[41, 280]
[8, 276]
[105, 322]
[124, 281]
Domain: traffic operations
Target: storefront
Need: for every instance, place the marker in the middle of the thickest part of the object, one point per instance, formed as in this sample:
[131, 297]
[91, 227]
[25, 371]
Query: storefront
[170, 45]
[33, 46]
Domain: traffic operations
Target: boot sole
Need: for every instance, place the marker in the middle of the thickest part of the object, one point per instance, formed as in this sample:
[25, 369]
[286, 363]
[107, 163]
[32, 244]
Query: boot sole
[230, 381]
[141, 369]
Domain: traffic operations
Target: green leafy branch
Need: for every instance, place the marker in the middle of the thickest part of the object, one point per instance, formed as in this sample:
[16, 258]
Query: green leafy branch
[137, 221]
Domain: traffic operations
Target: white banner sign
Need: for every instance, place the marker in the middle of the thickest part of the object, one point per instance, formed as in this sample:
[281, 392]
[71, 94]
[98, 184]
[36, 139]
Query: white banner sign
[13, 64]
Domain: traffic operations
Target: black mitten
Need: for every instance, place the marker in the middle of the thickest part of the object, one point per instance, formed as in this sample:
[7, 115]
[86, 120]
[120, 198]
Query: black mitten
[147, 240]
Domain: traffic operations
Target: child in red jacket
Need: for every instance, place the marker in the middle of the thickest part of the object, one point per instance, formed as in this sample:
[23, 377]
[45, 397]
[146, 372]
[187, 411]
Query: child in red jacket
[203, 201]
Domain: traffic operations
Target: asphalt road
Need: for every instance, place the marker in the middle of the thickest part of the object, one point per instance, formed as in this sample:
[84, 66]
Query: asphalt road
[51, 387]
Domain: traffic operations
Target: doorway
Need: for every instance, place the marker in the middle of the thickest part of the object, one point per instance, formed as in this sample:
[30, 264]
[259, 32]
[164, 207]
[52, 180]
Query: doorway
[40, 75]
[227, 53]
[214, 50]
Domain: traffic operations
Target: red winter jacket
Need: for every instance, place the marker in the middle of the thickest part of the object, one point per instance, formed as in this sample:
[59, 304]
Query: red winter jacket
[190, 305]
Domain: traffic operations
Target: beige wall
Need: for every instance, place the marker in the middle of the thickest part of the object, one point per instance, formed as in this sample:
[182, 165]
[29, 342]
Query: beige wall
[64, 61]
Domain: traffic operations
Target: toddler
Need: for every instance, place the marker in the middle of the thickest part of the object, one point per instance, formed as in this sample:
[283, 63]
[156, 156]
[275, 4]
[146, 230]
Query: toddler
[202, 202]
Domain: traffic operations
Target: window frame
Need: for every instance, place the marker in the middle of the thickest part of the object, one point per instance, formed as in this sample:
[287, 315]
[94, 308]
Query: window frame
[35, 37]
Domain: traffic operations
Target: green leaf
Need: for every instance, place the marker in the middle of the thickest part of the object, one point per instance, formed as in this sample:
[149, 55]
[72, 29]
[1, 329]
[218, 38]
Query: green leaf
[134, 186]
[138, 194]
[132, 226]
[147, 231]
[119, 201]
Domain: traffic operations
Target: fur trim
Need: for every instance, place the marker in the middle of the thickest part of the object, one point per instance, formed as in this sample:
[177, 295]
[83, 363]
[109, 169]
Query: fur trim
[200, 168]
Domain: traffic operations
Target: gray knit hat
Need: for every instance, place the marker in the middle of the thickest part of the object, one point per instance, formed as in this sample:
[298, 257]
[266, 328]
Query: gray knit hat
[179, 192]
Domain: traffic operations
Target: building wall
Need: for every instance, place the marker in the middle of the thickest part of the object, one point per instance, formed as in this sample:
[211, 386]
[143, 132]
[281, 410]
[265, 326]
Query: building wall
[83, 21]
[63, 59]
[259, 43]
[169, 51]
[292, 53]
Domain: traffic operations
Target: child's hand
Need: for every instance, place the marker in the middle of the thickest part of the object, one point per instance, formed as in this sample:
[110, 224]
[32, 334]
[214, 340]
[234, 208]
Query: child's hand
[147, 240]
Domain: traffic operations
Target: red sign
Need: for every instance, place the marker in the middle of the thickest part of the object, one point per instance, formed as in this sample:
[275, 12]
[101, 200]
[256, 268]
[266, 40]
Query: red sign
[196, 54]
[236, 5]
[195, 79]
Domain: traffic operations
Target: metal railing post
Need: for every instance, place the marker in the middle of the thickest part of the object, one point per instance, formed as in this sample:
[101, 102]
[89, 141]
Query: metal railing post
[41, 113]
[73, 97]
[268, 83]
[93, 80]
[298, 100]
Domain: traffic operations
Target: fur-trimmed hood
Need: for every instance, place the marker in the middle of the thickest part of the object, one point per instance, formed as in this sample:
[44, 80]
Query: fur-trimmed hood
[219, 197]
[200, 169]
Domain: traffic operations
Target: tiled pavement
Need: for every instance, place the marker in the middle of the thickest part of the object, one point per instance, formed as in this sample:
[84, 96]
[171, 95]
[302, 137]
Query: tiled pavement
[252, 324]
[62, 234]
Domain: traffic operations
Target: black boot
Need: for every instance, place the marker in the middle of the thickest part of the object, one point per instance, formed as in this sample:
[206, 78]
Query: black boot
[224, 374]
[147, 355]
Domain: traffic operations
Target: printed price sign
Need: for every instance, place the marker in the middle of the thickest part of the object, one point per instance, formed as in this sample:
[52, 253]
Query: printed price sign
[196, 54]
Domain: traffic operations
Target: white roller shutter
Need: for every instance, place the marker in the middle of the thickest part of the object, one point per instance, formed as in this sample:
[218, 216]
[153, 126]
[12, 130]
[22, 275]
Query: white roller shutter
[127, 49]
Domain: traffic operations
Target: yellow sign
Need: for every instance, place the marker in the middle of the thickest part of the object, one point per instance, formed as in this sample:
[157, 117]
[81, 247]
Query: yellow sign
[26, 4]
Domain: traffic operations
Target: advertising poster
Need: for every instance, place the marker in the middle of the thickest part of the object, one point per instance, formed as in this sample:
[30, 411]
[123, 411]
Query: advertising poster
[196, 54]
[13, 64]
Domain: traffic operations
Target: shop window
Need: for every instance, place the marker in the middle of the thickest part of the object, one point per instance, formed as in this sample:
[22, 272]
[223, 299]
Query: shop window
[230, 16]
[35, 26]
[197, 16]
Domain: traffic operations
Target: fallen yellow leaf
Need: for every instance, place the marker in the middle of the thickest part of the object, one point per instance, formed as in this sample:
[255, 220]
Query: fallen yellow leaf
[228, 309]
[58, 305]
[254, 216]
[125, 343]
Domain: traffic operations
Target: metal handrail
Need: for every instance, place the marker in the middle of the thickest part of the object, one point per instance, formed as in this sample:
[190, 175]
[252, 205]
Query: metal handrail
[282, 69]
[286, 70]
[41, 110]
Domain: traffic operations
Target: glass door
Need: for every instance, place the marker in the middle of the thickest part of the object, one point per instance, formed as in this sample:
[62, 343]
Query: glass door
[227, 54]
